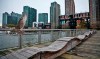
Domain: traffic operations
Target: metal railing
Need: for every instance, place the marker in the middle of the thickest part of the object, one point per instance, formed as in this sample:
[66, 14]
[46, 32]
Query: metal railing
[29, 37]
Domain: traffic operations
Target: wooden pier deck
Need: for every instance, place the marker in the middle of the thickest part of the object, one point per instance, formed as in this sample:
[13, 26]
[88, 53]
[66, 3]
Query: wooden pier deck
[52, 51]
[90, 49]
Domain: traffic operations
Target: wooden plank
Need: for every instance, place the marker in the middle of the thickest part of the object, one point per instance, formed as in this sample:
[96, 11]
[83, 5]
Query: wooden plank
[91, 32]
[31, 52]
[3, 57]
[19, 56]
[35, 49]
[9, 56]
[81, 37]
[25, 54]
[65, 39]
[87, 33]
[22, 50]
[57, 45]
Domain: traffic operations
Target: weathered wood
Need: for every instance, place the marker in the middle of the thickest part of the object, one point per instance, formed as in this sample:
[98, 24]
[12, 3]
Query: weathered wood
[19, 56]
[3, 57]
[81, 37]
[57, 45]
[35, 49]
[28, 52]
[25, 54]
[52, 51]
[65, 39]
[22, 50]
[87, 33]
[10, 56]
[31, 52]
[91, 32]
[53, 54]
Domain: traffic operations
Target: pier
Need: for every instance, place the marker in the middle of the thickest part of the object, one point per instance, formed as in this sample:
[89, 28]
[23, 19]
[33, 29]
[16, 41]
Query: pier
[60, 44]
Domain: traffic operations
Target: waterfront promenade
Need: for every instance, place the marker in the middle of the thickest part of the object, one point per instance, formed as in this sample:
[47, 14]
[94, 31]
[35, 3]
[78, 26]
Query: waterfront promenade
[90, 49]
[77, 51]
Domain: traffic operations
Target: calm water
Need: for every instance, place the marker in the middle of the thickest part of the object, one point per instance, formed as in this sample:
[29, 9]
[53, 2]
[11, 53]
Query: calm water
[12, 40]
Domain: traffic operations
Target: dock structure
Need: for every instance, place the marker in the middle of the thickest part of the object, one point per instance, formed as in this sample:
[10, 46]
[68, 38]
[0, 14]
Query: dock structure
[57, 48]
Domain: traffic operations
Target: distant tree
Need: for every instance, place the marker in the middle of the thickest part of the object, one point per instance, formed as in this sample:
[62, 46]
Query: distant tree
[83, 24]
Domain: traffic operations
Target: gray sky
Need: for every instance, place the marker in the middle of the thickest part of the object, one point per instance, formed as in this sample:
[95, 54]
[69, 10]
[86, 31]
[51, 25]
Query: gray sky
[42, 6]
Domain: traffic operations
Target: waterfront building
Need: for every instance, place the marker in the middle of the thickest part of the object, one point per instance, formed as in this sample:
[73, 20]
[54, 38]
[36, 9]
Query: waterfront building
[69, 7]
[15, 17]
[54, 14]
[82, 20]
[10, 19]
[43, 17]
[38, 25]
[94, 8]
[4, 19]
[31, 15]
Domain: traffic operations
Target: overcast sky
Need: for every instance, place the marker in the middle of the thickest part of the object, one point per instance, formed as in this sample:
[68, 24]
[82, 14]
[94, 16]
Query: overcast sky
[42, 6]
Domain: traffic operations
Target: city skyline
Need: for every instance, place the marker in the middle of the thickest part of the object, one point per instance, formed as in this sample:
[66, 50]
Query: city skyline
[17, 6]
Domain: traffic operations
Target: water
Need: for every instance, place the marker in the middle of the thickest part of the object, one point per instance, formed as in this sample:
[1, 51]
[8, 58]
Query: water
[7, 41]
[12, 40]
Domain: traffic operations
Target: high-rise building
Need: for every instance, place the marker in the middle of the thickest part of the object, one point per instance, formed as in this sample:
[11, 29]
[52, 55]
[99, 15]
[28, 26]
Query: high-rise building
[15, 17]
[54, 15]
[69, 7]
[43, 17]
[4, 19]
[26, 10]
[10, 19]
[94, 6]
[31, 15]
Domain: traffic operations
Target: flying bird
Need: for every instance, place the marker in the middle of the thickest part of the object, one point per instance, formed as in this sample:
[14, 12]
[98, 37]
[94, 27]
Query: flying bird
[21, 22]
